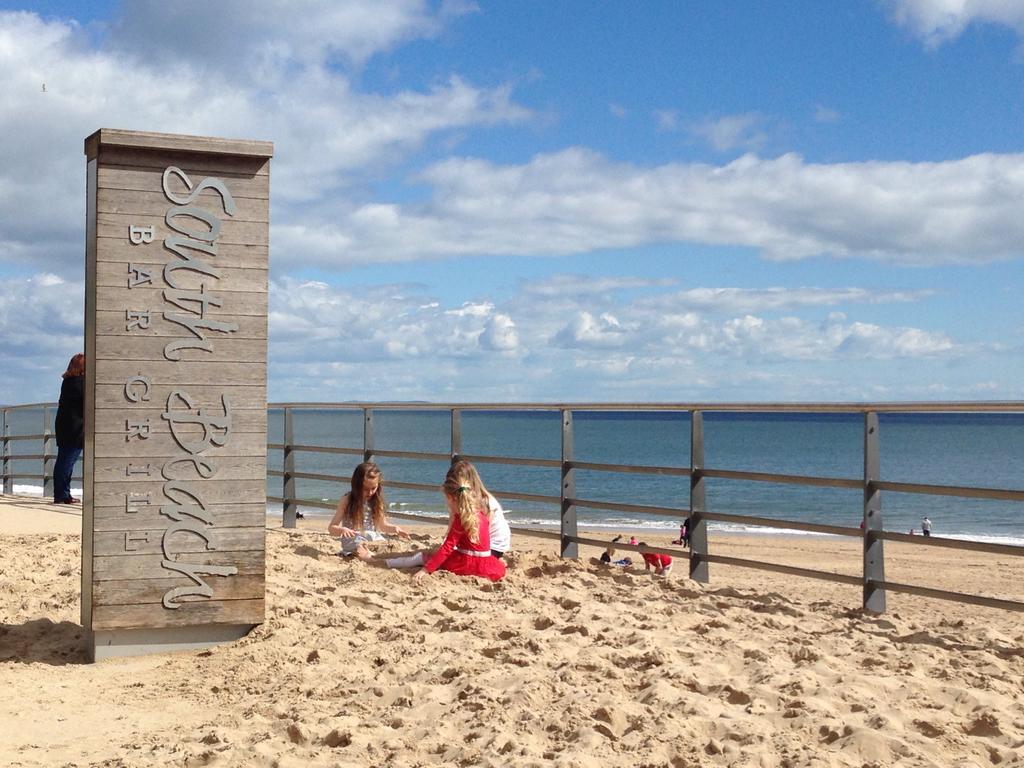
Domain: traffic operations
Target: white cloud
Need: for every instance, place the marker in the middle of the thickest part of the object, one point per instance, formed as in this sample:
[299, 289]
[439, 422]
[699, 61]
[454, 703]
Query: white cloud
[587, 331]
[327, 134]
[397, 342]
[575, 201]
[500, 334]
[744, 300]
[254, 37]
[667, 119]
[823, 114]
[40, 329]
[578, 285]
[330, 138]
[938, 21]
[732, 131]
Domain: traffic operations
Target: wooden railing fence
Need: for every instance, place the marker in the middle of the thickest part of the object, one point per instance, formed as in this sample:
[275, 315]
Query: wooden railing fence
[872, 581]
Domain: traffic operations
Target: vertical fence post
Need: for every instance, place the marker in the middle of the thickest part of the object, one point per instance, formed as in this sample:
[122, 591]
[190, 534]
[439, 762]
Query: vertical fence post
[568, 515]
[456, 434]
[6, 455]
[698, 525]
[874, 557]
[48, 457]
[291, 508]
[367, 434]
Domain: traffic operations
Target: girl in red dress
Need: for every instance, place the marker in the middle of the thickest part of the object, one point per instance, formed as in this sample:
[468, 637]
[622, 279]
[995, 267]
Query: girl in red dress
[466, 549]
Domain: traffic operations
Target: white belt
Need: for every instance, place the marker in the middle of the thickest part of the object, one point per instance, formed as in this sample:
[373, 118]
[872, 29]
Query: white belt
[473, 552]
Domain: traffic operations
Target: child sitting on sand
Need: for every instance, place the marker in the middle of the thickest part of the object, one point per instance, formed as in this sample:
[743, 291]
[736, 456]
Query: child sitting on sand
[501, 533]
[466, 549]
[608, 554]
[662, 563]
[359, 519]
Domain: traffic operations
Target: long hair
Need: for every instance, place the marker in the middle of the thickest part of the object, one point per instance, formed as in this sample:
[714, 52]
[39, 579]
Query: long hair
[463, 484]
[76, 366]
[353, 517]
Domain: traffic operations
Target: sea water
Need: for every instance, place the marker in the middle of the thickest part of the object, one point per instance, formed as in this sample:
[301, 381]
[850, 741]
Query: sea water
[982, 450]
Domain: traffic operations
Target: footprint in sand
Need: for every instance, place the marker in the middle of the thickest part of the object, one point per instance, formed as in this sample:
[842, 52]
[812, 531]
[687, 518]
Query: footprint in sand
[986, 725]
[928, 729]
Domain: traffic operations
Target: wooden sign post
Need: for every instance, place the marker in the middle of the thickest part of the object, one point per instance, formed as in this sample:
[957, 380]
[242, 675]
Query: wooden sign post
[174, 508]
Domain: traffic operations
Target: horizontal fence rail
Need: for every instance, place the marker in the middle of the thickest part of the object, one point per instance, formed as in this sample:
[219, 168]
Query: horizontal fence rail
[871, 532]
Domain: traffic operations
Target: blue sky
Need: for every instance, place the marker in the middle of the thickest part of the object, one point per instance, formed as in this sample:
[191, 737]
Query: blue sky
[659, 201]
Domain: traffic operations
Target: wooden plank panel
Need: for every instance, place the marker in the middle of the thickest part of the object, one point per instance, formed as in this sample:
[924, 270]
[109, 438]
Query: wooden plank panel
[194, 614]
[243, 420]
[212, 491]
[232, 231]
[115, 470]
[228, 254]
[113, 420]
[115, 323]
[143, 591]
[249, 562]
[243, 397]
[226, 349]
[149, 178]
[106, 139]
[165, 373]
[112, 274]
[235, 303]
[190, 162]
[153, 202]
[142, 542]
[250, 444]
[225, 516]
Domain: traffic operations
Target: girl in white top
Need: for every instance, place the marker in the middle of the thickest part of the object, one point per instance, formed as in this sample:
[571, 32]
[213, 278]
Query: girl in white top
[501, 534]
[359, 519]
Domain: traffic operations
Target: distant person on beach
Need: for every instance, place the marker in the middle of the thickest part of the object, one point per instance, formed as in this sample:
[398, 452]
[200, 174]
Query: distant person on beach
[684, 534]
[70, 428]
[662, 564]
[926, 527]
[360, 520]
[466, 549]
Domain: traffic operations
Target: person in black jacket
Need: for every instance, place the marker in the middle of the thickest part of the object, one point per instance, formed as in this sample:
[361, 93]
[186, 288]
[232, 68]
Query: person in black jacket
[70, 428]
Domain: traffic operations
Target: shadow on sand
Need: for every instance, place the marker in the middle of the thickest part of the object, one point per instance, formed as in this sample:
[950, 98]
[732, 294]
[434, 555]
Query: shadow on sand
[40, 641]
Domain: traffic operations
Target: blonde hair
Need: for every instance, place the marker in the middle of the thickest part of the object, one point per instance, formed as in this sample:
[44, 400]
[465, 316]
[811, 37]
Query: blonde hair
[463, 484]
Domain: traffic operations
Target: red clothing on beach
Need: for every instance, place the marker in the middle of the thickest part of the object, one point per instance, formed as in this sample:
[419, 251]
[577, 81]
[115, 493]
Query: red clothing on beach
[449, 558]
[658, 561]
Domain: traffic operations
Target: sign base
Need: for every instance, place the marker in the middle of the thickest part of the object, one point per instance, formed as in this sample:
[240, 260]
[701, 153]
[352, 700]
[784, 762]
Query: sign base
[111, 643]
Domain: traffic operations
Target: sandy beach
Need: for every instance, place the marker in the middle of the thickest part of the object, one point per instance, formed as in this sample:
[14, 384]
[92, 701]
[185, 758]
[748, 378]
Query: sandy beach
[566, 663]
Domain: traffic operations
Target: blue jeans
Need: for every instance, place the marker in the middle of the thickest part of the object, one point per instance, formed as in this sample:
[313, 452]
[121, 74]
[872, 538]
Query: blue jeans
[62, 471]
